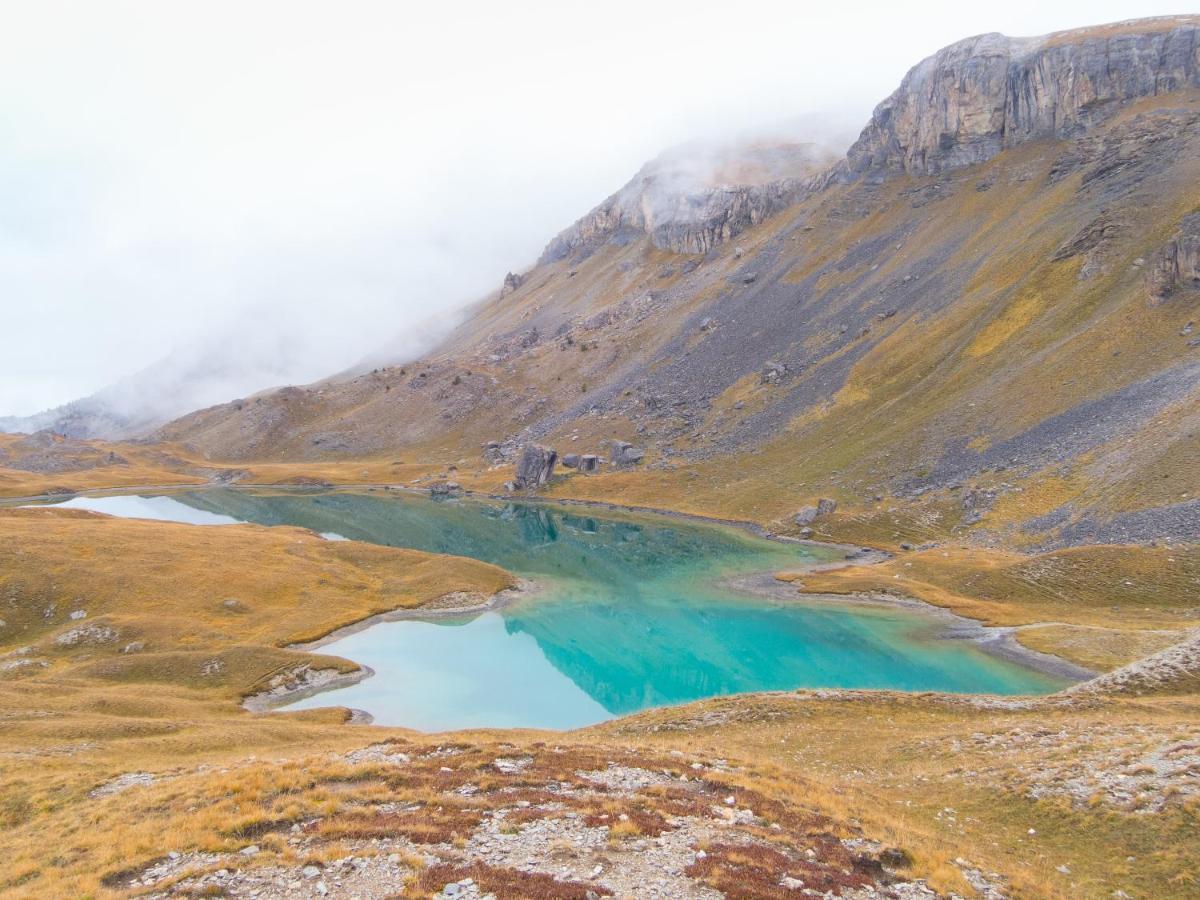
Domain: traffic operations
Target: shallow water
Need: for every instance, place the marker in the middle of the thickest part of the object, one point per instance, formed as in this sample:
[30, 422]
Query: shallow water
[635, 612]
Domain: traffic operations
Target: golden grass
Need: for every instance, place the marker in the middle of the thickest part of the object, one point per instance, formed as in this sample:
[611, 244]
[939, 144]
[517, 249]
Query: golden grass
[943, 780]
[1109, 595]
[190, 619]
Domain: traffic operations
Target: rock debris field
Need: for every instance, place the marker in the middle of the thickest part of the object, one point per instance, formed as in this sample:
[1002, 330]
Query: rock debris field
[543, 822]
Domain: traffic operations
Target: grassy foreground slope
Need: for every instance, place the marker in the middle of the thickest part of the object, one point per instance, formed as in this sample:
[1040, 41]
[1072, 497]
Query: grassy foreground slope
[128, 643]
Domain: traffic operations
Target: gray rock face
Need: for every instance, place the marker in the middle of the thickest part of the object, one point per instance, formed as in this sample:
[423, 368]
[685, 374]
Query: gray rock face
[969, 101]
[1178, 263]
[589, 462]
[691, 200]
[535, 467]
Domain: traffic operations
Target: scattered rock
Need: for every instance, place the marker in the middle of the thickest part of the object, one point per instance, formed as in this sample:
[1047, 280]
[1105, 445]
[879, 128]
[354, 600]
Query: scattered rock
[88, 634]
[445, 489]
[123, 783]
[772, 373]
[499, 452]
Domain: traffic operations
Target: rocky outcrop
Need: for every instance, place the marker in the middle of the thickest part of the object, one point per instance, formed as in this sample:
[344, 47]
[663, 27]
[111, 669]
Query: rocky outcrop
[1093, 242]
[512, 281]
[806, 515]
[1178, 263]
[535, 467]
[690, 201]
[973, 99]
[499, 452]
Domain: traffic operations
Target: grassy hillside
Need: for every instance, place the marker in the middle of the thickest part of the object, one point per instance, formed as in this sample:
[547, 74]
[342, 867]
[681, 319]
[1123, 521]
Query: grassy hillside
[989, 332]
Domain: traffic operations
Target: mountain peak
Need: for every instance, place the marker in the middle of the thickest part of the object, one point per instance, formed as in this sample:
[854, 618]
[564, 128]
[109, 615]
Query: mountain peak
[692, 198]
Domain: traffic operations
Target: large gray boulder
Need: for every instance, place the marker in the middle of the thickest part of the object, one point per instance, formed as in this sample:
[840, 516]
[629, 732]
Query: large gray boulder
[625, 454]
[535, 466]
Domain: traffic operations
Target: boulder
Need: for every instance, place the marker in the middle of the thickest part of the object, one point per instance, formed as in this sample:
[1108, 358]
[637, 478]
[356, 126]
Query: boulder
[772, 372]
[445, 489]
[625, 454]
[535, 466]
[571, 460]
[512, 281]
[589, 462]
[806, 515]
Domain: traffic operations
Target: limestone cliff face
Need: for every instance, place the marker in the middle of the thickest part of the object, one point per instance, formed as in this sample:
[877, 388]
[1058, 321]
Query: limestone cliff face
[1178, 263]
[969, 101]
[690, 201]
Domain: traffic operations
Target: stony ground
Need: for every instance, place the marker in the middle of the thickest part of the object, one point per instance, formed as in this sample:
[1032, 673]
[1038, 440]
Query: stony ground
[546, 822]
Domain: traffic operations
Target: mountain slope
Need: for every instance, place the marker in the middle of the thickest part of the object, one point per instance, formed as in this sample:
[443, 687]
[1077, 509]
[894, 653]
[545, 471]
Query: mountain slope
[983, 314]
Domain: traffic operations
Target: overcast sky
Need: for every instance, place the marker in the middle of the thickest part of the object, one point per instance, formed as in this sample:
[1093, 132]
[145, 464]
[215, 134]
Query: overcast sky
[323, 176]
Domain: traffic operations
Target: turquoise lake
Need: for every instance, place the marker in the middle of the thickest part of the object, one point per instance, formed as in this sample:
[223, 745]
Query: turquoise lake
[634, 611]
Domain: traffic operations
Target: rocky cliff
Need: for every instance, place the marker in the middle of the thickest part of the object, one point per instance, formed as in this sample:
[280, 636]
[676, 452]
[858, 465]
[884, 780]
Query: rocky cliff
[969, 101]
[694, 198]
[1178, 263]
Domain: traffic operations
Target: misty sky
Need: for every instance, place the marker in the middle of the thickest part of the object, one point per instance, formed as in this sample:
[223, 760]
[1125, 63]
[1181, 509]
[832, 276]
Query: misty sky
[303, 182]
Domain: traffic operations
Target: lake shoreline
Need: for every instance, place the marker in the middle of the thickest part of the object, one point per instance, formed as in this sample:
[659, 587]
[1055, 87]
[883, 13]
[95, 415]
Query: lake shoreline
[999, 642]
[995, 640]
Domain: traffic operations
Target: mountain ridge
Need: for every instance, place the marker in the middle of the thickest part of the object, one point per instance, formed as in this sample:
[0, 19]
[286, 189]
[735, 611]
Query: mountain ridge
[959, 341]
